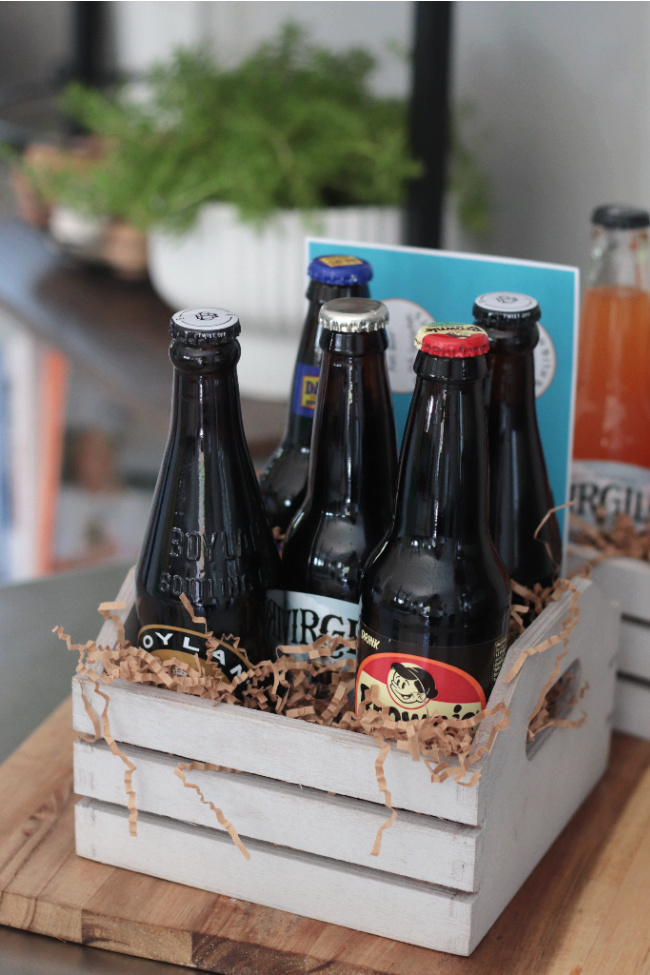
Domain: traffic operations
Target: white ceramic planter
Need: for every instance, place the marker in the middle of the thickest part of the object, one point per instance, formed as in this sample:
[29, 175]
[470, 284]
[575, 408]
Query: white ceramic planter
[259, 273]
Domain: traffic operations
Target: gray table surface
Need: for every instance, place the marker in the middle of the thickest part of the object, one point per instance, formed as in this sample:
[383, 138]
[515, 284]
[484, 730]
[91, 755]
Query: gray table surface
[36, 671]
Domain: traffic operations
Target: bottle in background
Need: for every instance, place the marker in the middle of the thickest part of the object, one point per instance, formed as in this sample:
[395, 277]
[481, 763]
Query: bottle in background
[520, 493]
[352, 472]
[611, 448]
[284, 478]
[435, 596]
[208, 535]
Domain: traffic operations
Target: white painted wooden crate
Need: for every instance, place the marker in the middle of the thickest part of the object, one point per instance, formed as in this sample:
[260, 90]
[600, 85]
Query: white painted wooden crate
[627, 582]
[307, 805]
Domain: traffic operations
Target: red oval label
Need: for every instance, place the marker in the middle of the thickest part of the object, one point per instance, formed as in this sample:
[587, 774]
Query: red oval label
[416, 687]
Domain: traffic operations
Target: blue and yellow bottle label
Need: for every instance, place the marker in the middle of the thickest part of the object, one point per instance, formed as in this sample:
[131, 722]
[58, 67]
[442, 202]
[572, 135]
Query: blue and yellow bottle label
[304, 390]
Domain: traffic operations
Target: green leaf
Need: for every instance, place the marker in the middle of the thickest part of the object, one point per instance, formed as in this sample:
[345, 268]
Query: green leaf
[294, 125]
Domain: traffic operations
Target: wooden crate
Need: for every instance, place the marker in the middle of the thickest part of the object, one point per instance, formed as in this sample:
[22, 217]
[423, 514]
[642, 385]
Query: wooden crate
[627, 582]
[307, 805]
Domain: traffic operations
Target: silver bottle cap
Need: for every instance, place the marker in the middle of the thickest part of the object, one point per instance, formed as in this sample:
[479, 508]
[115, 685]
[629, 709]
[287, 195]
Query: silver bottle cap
[353, 315]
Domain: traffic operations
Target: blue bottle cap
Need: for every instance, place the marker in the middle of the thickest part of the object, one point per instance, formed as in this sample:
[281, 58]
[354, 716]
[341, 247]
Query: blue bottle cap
[340, 269]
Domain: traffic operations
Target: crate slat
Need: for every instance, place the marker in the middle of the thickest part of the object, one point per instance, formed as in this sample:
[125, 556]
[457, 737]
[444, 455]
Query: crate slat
[627, 582]
[634, 649]
[268, 745]
[435, 851]
[310, 755]
[624, 580]
[632, 707]
[338, 893]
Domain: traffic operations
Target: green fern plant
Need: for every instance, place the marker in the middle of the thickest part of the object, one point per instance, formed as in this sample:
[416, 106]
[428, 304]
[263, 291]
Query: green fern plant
[293, 126]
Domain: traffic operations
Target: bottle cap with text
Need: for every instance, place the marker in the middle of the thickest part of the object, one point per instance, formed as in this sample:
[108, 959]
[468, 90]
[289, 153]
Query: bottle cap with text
[340, 270]
[204, 326]
[452, 340]
[506, 307]
[353, 315]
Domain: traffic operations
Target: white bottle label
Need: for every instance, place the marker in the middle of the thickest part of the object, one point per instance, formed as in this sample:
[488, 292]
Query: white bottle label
[296, 618]
[545, 361]
[406, 318]
[610, 488]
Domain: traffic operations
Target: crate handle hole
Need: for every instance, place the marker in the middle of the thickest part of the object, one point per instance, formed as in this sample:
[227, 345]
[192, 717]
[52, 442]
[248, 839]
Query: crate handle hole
[559, 703]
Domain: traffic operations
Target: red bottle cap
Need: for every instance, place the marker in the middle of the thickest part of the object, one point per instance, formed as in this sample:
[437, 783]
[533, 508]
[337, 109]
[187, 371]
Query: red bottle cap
[452, 340]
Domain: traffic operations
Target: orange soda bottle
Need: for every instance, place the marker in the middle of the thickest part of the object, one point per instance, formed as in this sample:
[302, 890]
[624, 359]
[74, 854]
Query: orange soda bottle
[611, 450]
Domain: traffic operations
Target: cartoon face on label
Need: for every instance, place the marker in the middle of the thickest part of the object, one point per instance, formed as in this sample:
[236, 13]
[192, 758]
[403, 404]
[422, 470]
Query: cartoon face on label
[411, 686]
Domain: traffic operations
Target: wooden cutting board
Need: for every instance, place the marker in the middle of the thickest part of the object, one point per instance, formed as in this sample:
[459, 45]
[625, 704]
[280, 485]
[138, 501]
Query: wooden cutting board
[583, 911]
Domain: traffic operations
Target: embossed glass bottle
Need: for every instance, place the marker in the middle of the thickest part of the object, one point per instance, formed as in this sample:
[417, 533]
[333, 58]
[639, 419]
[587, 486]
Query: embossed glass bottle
[208, 535]
[284, 478]
[435, 596]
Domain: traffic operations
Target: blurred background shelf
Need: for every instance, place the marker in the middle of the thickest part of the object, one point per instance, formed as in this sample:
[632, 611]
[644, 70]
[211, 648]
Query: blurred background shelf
[85, 384]
[115, 331]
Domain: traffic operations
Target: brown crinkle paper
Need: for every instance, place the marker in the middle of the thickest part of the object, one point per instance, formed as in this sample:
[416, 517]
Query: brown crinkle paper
[621, 538]
[534, 601]
[304, 683]
[554, 701]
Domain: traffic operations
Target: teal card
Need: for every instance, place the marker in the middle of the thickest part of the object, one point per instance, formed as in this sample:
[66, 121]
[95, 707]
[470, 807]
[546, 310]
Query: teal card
[420, 286]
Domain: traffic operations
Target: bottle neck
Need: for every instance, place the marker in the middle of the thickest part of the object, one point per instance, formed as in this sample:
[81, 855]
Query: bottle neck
[520, 495]
[299, 421]
[349, 434]
[205, 399]
[512, 380]
[619, 258]
[442, 486]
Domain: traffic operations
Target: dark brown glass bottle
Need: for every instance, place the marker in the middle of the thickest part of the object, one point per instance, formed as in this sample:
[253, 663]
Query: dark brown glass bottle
[284, 477]
[435, 596]
[208, 535]
[520, 493]
[352, 474]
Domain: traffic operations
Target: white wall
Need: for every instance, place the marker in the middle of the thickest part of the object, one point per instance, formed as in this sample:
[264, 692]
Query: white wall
[146, 31]
[562, 99]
